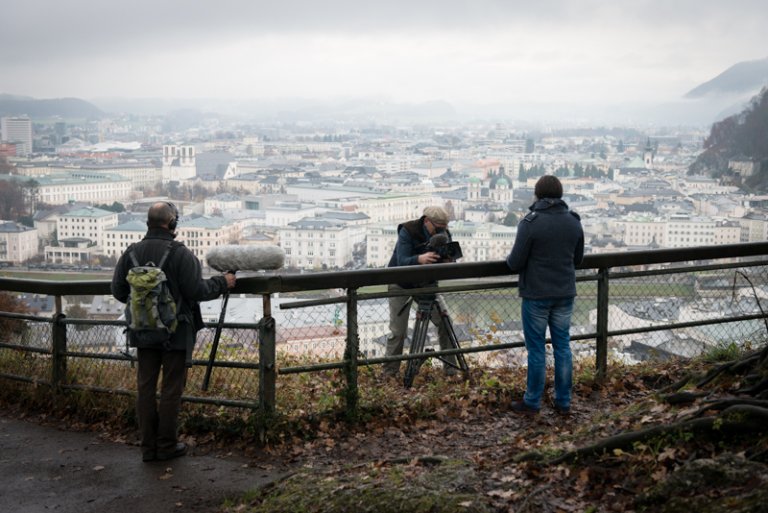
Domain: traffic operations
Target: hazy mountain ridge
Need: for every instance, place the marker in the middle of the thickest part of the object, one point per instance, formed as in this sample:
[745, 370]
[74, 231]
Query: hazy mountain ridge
[742, 136]
[746, 77]
[724, 95]
[286, 109]
[15, 105]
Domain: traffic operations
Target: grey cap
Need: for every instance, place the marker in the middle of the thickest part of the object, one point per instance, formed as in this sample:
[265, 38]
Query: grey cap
[436, 214]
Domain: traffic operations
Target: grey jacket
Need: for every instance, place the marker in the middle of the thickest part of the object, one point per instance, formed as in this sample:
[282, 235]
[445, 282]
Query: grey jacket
[548, 247]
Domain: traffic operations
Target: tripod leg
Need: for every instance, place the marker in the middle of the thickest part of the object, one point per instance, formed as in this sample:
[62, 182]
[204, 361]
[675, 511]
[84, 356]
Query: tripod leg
[215, 345]
[460, 362]
[417, 345]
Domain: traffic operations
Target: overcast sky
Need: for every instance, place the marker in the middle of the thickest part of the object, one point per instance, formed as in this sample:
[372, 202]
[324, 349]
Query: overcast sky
[402, 50]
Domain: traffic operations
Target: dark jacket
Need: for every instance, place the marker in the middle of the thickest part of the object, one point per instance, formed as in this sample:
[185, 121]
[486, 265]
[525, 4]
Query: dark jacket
[412, 241]
[548, 247]
[185, 278]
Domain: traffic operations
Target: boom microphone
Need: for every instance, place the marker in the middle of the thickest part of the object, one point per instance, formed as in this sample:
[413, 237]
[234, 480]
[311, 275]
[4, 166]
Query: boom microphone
[447, 250]
[438, 240]
[245, 258]
[232, 258]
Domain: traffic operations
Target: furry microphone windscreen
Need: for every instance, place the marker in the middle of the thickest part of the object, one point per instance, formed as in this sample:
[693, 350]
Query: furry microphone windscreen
[246, 258]
[438, 240]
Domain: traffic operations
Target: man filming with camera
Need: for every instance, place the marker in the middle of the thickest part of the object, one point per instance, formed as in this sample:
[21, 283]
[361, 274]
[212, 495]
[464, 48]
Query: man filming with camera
[422, 241]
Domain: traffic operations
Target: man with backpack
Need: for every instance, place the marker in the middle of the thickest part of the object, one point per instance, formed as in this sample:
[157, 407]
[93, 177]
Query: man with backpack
[161, 282]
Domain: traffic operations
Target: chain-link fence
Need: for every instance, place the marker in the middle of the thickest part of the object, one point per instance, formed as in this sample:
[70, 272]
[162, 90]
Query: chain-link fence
[649, 313]
[712, 307]
[26, 355]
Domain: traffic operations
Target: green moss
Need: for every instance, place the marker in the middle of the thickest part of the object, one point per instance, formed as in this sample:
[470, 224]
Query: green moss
[727, 483]
[448, 487]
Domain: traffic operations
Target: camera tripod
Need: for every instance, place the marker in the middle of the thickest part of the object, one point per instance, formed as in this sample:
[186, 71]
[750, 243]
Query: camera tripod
[423, 315]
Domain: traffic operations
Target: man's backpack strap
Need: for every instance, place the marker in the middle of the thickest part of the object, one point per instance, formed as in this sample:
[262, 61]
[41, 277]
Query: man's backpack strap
[172, 284]
[168, 250]
[132, 256]
[131, 252]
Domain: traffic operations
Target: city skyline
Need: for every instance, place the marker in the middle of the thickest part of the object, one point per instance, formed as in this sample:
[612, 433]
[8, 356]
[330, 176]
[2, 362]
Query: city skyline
[465, 53]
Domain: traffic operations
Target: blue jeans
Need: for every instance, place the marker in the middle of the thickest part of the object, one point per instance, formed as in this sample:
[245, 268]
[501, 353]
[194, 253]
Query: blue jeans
[538, 314]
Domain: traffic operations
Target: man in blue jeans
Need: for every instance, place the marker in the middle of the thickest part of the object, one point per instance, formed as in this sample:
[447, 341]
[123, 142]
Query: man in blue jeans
[548, 247]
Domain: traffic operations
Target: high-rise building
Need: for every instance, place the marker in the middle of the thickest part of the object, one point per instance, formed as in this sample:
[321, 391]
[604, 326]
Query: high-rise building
[17, 130]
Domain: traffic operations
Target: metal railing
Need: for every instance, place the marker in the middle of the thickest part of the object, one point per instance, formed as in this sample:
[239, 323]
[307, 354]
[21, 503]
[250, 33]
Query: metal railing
[634, 306]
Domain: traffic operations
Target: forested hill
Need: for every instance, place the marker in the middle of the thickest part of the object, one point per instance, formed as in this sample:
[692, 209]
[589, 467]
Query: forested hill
[67, 108]
[742, 137]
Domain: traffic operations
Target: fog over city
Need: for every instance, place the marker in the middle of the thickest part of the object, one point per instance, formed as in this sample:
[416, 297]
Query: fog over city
[589, 60]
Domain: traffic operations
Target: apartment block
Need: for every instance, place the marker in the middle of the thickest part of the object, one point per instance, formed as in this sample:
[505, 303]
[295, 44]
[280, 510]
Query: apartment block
[204, 233]
[83, 186]
[17, 242]
[89, 223]
[394, 208]
[754, 227]
[17, 130]
[320, 243]
[199, 234]
[140, 175]
[679, 231]
[116, 240]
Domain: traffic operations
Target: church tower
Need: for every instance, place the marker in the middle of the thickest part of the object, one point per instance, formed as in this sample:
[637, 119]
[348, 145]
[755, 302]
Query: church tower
[178, 163]
[474, 188]
[648, 155]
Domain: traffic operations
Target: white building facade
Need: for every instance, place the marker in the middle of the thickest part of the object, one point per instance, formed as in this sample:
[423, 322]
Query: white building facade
[86, 223]
[17, 242]
[86, 187]
[116, 240]
[318, 243]
[679, 231]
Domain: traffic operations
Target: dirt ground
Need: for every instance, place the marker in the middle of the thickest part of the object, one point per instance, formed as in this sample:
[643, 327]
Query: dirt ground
[625, 444]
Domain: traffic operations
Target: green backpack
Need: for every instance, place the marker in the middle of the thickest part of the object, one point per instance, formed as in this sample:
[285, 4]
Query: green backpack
[151, 309]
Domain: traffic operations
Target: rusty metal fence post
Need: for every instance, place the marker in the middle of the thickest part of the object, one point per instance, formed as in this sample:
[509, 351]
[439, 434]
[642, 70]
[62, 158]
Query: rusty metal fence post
[601, 356]
[350, 356]
[58, 347]
[267, 370]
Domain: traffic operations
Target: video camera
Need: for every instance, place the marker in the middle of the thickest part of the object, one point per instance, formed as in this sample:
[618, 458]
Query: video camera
[448, 251]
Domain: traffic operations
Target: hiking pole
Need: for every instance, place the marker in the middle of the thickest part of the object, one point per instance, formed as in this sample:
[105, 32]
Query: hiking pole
[215, 345]
[230, 259]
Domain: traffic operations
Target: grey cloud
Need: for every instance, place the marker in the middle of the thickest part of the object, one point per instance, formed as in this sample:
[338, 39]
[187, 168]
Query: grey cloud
[98, 47]
[36, 30]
